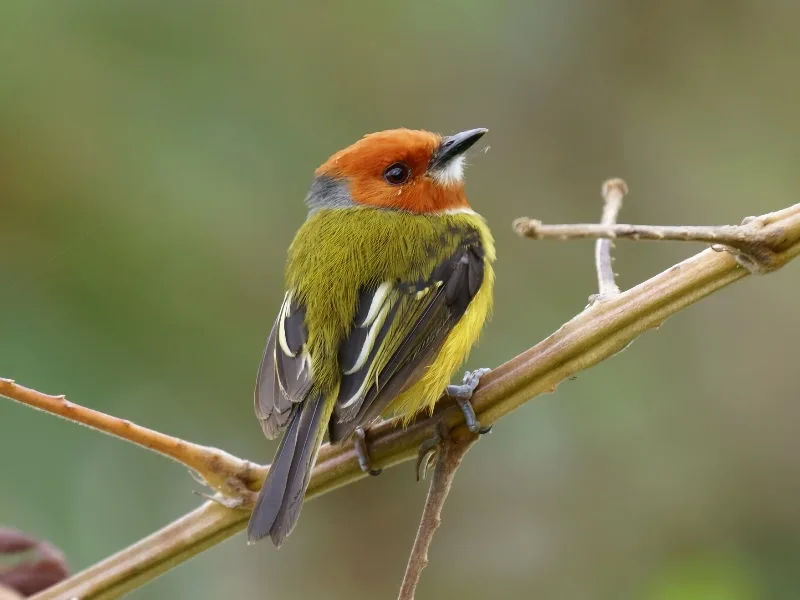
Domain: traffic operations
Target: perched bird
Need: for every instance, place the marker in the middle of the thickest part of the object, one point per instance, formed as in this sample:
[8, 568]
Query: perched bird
[388, 284]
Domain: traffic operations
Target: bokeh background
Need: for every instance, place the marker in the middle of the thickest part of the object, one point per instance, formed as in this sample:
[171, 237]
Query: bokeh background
[154, 157]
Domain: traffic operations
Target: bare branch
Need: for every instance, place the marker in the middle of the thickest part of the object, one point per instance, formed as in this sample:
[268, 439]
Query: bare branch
[450, 454]
[613, 191]
[592, 336]
[213, 467]
[756, 245]
[729, 235]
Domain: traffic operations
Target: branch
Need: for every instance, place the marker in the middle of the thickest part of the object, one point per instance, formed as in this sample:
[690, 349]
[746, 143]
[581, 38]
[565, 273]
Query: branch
[597, 333]
[613, 191]
[213, 467]
[757, 247]
[451, 452]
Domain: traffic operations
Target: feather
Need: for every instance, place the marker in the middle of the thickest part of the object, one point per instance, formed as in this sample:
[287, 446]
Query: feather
[285, 373]
[278, 506]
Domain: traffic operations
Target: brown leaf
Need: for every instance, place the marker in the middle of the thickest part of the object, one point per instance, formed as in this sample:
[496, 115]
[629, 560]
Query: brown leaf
[30, 575]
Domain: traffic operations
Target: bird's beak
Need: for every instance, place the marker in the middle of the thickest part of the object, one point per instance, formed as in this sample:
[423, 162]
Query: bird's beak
[453, 146]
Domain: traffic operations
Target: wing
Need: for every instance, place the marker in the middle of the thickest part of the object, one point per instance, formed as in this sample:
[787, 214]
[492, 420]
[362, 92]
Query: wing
[398, 331]
[285, 374]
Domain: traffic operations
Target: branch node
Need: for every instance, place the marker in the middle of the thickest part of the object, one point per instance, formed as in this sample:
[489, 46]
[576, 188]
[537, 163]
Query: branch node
[757, 252]
[614, 185]
[527, 227]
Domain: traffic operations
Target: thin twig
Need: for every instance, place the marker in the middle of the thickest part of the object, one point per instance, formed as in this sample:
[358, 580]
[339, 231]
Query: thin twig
[449, 456]
[592, 336]
[613, 191]
[216, 468]
[728, 235]
[755, 247]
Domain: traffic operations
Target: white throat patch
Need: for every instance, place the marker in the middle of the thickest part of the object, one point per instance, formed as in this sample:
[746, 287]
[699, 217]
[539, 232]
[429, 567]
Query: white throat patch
[452, 173]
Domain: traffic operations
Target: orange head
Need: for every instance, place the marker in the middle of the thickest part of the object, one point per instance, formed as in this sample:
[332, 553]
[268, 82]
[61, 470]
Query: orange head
[403, 169]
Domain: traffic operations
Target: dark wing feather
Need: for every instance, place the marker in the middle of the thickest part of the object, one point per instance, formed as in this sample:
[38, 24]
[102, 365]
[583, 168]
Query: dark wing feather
[353, 383]
[419, 316]
[284, 376]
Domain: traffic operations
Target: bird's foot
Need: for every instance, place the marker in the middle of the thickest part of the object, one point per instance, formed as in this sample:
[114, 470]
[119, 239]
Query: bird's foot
[362, 452]
[462, 394]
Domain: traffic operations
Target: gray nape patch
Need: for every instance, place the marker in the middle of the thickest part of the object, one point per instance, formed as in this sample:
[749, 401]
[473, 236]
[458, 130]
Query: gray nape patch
[327, 192]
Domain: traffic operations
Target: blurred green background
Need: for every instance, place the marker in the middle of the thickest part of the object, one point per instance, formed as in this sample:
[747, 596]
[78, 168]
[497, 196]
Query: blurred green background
[154, 157]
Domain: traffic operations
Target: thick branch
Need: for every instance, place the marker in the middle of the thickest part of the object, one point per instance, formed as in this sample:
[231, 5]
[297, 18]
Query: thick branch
[216, 468]
[450, 454]
[597, 333]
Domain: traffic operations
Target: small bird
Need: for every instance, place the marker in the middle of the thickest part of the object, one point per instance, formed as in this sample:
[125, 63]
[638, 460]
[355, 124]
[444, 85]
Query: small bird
[388, 284]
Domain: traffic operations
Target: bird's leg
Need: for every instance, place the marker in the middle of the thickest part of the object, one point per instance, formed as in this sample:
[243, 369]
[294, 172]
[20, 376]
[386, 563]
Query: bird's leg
[462, 394]
[362, 452]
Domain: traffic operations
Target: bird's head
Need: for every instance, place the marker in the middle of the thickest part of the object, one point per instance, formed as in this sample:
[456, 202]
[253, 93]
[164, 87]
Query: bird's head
[417, 171]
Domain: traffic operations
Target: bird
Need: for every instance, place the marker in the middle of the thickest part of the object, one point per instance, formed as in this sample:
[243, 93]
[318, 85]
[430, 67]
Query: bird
[388, 284]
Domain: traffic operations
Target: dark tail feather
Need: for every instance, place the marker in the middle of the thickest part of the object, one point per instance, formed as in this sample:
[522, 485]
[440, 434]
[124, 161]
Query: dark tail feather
[281, 498]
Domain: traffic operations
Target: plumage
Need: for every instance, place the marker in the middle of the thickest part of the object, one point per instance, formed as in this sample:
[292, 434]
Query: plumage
[277, 509]
[387, 291]
[284, 377]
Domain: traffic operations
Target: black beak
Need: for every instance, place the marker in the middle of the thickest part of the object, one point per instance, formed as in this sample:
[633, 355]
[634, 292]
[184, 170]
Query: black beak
[453, 146]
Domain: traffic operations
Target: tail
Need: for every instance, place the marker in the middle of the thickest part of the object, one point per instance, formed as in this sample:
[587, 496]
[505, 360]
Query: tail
[281, 497]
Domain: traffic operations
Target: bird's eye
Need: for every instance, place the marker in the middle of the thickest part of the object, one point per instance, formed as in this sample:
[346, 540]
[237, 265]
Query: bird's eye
[397, 173]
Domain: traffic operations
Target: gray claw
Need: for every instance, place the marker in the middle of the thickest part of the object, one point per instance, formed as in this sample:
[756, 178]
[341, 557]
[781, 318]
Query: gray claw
[462, 394]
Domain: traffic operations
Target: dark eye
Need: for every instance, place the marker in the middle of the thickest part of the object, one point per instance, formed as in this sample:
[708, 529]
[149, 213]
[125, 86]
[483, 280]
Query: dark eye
[397, 173]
